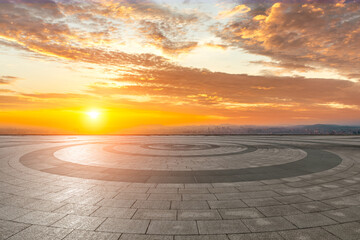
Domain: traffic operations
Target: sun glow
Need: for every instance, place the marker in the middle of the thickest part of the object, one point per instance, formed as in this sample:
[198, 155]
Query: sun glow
[93, 114]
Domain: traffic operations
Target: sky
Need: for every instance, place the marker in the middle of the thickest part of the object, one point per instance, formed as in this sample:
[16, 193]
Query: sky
[109, 66]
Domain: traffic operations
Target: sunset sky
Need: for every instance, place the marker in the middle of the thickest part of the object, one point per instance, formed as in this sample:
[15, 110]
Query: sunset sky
[109, 66]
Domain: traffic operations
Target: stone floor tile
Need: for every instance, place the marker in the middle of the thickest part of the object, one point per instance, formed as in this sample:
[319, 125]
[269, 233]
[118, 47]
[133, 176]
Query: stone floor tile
[40, 218]
[308, 234]
[124, 225]
[150, 204]
[197, 197]
[164, 196]
[240, 213]
[345, 231]
[91, 235]
[172, 227]
[259, 202]
[189, 205]
[155, 214]
[9, 228]
[120, 203]
[198, 215]
[79, 222]
[10, 213]
[313, 206]
[343, 215]
[202, 237]
[268, 224]
[293, 199]
[77, 209]
[43, 205]
[256, 236]
[310, 220]
[222, 227]
[227, 204]
[114, 212]
[144, 237]
[280, 210]
[41, 232]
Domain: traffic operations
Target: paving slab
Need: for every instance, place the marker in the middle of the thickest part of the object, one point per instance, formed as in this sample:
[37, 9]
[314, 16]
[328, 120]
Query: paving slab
[179, 187]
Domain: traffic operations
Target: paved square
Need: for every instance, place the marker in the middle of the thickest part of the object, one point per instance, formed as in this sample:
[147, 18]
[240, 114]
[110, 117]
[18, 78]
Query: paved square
[180, 187]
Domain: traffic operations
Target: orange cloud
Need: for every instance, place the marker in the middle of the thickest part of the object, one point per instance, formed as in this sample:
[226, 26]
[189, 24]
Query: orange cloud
[236, 10]
[318, 34]
[7, 79]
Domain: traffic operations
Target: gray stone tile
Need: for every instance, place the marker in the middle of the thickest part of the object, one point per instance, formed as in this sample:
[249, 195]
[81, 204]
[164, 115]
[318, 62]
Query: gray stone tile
[124, 225]
[121, 203]
[256, 236]
[155, 214]
[196, 197]
[202, 237]
[189, 205]
[43, 205]
[262, 194]
[152, 204]
[268, 224]
[17, 201]
[259, 202]
[135, 190]
[79, 222]
[85, 200]
[224, 190]
[10, 213]
[281, 210]
[165, 196]
[114, 212]
[172, 227]
[132, 196]
[144, 237]
[293, 199]
[163, 190]
[346, 231]
[193, 190]
[222, 227]
[198, 215]
[8, 228]
[353, 200]
[41, 232]
[91, 235]
[227, 204]
[344, 215]
[308, 234]
[240, 213]
[231, 196]
[313, 206]
[40, 218]
[77, 209]
[318, 195]
[310, 220]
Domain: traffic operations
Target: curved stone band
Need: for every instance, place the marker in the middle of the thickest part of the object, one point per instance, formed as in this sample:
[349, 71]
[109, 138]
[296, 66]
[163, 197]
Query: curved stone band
[315, 161]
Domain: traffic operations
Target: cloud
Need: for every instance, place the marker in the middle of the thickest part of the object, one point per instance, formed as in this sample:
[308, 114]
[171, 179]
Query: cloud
[7, 79]
[239, 98]
[220, 90]
[156, 33]
[84, 31]
[239, 9]
[311, 34]
[156, 24]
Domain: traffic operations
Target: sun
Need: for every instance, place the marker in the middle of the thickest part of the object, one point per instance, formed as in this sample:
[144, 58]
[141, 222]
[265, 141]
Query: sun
[93, 114]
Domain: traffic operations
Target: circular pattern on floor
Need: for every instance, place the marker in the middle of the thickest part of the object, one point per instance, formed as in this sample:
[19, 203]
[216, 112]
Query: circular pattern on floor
[315, 160]
[37, 204]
